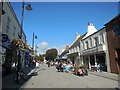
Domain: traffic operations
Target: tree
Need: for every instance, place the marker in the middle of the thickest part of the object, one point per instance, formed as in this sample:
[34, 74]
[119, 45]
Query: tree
[51, 54]
[41, 57]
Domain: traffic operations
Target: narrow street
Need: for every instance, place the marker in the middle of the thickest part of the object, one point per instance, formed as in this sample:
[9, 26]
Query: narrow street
[45, 77]
[80, 37]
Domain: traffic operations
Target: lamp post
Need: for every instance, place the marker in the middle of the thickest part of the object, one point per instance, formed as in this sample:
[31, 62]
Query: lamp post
[34, 37]
[28, 7]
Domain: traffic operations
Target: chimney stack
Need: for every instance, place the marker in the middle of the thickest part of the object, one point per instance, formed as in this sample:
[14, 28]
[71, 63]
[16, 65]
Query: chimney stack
[90, 24]
[77, 35]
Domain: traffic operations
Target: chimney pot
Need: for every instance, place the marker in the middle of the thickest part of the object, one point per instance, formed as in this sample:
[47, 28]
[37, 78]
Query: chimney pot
[90, 24]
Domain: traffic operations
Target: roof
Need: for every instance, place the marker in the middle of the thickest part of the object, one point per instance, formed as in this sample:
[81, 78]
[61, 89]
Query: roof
[118, 16]
[64, 52]
[93, 33]
[77, 40]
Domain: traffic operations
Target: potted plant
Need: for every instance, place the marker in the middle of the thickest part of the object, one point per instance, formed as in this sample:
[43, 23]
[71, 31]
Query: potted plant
[85, 69]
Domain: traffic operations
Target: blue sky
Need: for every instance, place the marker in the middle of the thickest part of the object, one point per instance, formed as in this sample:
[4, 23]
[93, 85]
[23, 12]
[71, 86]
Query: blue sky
[56, 23]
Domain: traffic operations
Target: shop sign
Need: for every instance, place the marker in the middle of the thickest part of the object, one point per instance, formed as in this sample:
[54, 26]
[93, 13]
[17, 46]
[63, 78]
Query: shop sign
[4, 37]
[6, 44]
[4, 41]
[90, 51]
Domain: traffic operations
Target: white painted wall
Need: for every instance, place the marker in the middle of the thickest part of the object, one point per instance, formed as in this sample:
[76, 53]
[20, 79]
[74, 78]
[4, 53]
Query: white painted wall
[14, 27]
[102, 46]
[9, 13]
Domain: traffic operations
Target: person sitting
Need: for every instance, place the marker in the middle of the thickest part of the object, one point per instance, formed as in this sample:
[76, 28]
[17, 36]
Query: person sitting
[98, 68]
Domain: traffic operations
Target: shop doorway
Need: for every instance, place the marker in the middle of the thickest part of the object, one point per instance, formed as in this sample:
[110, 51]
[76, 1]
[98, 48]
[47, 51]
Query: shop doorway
[102, 61]
[92, 60]
[86, 61]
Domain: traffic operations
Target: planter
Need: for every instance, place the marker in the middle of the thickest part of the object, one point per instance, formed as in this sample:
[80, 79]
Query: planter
[77, 70]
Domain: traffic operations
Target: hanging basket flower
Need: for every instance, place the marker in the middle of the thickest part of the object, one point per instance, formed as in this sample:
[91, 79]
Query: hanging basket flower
[19, 45]
[32, 53]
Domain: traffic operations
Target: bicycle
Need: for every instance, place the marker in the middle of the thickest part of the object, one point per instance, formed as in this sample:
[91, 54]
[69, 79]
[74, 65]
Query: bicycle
[20, 76]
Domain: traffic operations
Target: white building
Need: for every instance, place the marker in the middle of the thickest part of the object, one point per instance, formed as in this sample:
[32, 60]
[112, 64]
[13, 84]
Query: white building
[10, 27]
[74, 50]
[94, 48]
[63, 56]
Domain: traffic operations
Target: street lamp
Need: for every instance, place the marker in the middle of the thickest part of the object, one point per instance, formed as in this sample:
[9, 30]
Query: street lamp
[34, 37]
[28, 7]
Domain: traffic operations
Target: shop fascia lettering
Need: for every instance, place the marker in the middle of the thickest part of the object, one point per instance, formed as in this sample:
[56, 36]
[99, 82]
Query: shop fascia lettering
[90, 51]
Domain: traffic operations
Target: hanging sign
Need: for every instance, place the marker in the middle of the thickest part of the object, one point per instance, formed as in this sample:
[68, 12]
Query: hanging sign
[4, 37]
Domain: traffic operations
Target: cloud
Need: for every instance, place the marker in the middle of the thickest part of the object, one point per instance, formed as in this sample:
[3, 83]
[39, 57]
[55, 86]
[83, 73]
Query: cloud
[61, 49]
[42, 48]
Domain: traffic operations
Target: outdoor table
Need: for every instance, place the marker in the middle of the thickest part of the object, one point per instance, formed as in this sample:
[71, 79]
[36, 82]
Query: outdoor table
[93, 68]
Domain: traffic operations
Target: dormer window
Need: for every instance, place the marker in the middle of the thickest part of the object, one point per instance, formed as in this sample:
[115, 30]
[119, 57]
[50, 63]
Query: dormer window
[91, 42]
[96, 41]
[87, 46]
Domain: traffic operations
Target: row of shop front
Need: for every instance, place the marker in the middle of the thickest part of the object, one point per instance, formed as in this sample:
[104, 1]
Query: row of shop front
[92, 50]
[91, 58]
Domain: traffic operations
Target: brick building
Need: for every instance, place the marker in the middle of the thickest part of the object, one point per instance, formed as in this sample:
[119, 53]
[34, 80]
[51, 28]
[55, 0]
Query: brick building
[113, 40]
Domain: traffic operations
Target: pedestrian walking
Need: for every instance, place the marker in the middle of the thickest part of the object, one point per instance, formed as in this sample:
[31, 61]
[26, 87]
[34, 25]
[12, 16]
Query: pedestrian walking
[37, 64]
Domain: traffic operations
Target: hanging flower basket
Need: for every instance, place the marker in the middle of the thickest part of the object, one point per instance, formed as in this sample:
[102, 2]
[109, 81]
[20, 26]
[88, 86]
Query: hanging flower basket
[19, 45]
[32, 53]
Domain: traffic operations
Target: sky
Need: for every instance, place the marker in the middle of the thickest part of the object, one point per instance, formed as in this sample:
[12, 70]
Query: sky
[56, 23]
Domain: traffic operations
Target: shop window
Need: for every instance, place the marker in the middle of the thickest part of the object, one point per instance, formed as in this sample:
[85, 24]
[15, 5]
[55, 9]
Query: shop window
[116, 29]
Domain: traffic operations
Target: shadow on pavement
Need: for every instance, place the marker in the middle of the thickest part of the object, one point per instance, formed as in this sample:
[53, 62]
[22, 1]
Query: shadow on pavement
[41, 70]
[33, 74]
[8, 82]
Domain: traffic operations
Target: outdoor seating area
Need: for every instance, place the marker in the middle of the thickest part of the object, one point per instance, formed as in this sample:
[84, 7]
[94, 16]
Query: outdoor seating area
[79, 70]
